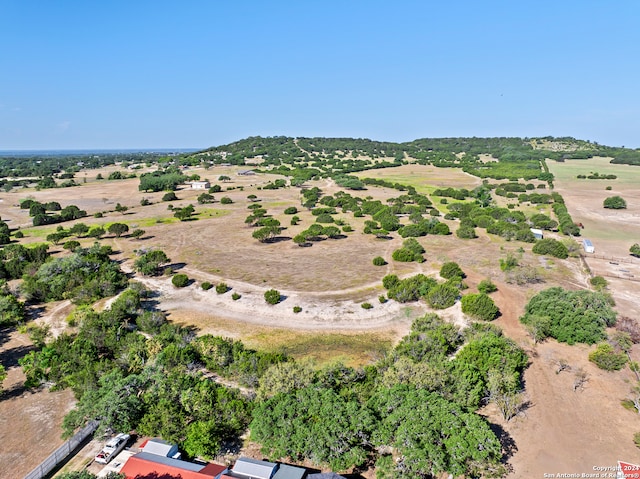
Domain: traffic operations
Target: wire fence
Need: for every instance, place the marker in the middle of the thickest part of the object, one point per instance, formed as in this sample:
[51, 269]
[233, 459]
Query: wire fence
[62, 453]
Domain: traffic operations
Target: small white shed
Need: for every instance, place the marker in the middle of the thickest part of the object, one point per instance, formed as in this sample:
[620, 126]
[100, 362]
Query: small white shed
[588, 246]
[200, 185]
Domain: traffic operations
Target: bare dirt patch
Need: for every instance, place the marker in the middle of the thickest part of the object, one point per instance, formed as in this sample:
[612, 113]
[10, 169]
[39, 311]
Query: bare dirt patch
[30, 421]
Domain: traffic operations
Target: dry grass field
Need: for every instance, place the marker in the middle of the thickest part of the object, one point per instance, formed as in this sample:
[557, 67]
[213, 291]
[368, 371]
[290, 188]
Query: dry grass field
[562, 431]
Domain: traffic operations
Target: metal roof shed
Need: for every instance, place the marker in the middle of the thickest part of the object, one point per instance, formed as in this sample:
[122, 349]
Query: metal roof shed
[253, 468]
[285, 471]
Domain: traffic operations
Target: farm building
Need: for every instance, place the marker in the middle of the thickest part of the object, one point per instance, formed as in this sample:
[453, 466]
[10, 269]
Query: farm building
[588, 246]
[537, 233]
[149, 465]
[200, 185]
[247, 468]
[160, 447]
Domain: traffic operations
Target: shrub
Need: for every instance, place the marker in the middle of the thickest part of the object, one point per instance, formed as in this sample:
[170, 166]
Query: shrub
[366, 305]
[324, 218]
[406, 256]
[297, 309]
[608, 188]
[180, 280]
[272, 296]
[442, 296]
[479, 306]
[206, 286]
[170, 196]
[615, 203]
[605, 357]
[222, 288]
[598, 282]
[236, 296]
[292, 210]
[382, 298]
[18, 234]
[379, 261]
[466, 232]
[295, 220]
[551, 247]
[450, 270]
[486, 286]
[635, 250]
[347, 229]
[225, 200]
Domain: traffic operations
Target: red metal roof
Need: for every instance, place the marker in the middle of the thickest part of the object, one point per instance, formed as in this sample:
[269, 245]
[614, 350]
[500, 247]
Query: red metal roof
[138, 468]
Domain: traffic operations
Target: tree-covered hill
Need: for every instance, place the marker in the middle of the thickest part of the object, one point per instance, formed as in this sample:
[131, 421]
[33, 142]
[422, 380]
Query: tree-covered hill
[518, 157]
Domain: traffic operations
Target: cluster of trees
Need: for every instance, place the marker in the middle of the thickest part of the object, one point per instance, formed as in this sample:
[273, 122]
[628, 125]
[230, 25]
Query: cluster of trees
[149, 382]
[413, 288]
[597, 176]
[567, 226]
[86, 275]
[161, 180]
[569, 316]
[39, 212]
[315, 232]
[411, 413]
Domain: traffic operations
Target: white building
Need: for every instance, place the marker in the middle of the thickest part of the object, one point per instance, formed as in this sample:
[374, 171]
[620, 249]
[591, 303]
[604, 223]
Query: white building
[200, 185]
[588, 246]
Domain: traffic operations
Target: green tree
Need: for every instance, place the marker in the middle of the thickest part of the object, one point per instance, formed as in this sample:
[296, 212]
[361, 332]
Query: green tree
[266, 233]
[432, 436]
[150, 263]
[170, 196]
[180, 280]
[121, 209]
[486, 286]
[137, 233]
[314, 423]
[479, 306]
[615, 202]
[225, 200]
[117, 229]
[79, 229]
[551, 247]
[224, 178]
[272, 296]
[442, 296]
[605, 357]
[96, 232]
[205, 198]
[451, 270]
[71, 245]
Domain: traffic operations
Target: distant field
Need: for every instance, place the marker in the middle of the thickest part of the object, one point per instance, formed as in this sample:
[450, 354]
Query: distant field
[614, 230]
[424, 178]
[568, 170]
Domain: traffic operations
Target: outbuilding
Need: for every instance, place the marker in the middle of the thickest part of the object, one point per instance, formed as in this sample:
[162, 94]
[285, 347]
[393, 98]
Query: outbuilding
[200, 185]
[588, 246]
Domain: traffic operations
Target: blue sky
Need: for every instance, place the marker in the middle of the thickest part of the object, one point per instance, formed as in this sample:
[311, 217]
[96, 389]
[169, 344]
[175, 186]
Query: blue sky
[197, 73]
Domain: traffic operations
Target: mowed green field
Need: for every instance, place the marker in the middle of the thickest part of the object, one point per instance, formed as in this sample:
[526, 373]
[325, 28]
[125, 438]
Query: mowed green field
[567, 172]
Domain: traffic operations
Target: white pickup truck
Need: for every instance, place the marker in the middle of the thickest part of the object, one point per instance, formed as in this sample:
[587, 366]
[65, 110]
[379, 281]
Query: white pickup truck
[112, 448]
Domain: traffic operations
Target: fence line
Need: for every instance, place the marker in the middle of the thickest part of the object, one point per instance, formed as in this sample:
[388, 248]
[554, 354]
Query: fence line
[62, 453]
[608, 258]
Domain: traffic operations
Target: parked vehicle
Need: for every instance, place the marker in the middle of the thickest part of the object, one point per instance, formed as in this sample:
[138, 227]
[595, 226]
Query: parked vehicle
[112, 448]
